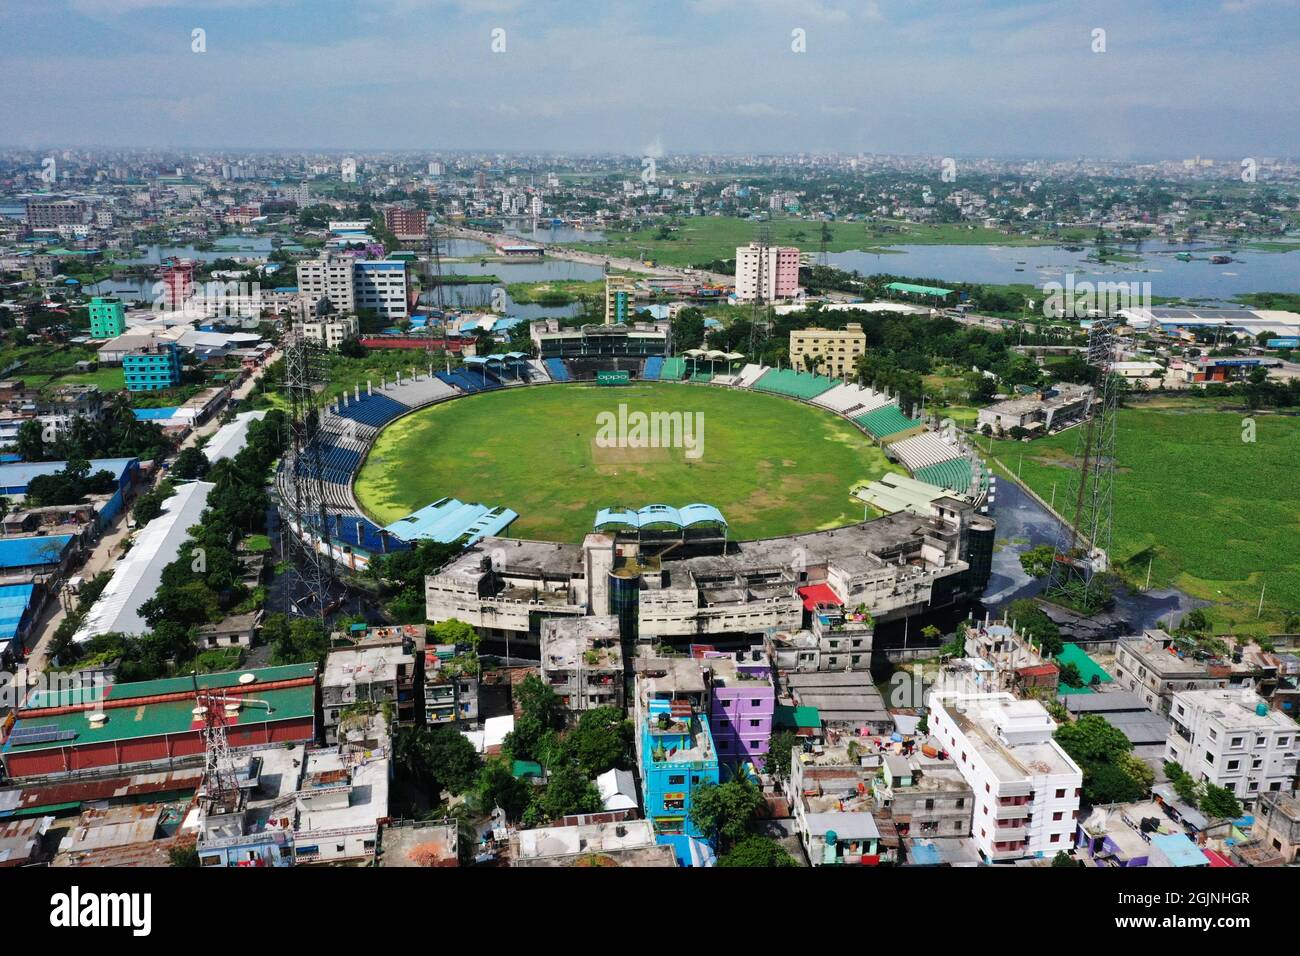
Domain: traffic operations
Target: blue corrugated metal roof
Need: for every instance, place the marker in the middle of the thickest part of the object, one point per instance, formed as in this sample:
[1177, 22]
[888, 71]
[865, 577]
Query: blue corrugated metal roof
[449, 519]
[19, 474]
[30, 552]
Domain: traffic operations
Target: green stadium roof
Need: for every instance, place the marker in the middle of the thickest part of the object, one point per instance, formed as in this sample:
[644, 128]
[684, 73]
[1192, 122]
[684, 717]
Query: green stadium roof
[918, 289]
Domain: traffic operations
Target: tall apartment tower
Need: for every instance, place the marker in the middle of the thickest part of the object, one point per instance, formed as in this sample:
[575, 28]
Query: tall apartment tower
[780, 275]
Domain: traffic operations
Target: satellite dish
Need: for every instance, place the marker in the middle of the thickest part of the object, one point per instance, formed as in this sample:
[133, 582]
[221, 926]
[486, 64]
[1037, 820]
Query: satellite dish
[247, 677]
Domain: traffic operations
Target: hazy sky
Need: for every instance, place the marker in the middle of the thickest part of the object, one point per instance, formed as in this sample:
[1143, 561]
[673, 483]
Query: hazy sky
[950, 77]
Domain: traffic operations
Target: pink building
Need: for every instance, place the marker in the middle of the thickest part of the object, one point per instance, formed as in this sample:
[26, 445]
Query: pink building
[777, 272]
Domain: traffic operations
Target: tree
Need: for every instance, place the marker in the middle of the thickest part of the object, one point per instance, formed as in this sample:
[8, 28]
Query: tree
[30, 442]
[1033, 621]
[540, 713]
[568, 791]
[190, 463]
[184, 855]
[437, 758]
[601, 741]
[1037, 561]
[1110, 773]
[726, 811]
[1070, 675]
[780, 752]
[1063, 859]
[757, 851]
[497, 787]
[457, 632]
[1220, 802]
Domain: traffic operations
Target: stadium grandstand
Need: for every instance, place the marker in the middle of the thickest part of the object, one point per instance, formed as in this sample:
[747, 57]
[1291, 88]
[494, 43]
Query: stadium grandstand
[350, 424]
[788, 382]
[886, 421]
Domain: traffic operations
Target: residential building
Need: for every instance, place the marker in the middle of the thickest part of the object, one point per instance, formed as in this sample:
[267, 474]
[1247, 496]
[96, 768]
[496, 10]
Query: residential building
[52, 213]
[620, 843]
[1026, 787]
[107, 317]
[1277, 824]
[451, 685]
[342, 798]
[1230, 738]
[767, 272]
[380, 287]
[153, 367]
[833, 352]
[406, 224]
[675, 749]
[328, 277]
[331, 331]
[620, 292]
[582, 661]
[835, 814]
[742, 702]
[927, 796]
[1154, 666]
[377, 670]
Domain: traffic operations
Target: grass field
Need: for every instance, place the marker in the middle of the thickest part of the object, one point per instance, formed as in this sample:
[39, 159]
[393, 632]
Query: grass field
[702, 239]
[771, 465]
[1217, 516]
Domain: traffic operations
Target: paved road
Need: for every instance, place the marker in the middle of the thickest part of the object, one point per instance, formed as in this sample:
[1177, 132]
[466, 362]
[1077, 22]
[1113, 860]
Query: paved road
[108, 548]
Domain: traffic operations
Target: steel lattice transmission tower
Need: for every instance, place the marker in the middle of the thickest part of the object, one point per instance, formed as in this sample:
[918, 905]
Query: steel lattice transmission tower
[1083, 547]
[435, 260]
[759, 318]
[303, 505]
[220, 782]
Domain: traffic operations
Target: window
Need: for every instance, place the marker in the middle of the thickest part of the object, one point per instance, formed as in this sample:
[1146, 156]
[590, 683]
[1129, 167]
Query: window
[676, 780]
[1060, 795]
[1057, 815]
[1056, 838]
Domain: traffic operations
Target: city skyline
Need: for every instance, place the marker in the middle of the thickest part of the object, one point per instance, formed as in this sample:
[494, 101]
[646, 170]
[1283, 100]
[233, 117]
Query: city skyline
[979, 77]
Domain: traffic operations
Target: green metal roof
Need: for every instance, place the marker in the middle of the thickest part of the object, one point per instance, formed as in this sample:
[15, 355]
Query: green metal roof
[527, 768]
[797, 718]
[918, 289]
[167, 685]
[171, 717]
[1088, 668]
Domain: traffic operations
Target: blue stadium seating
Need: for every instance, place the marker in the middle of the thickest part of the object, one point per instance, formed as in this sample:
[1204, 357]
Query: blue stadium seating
[559, 372]
[653, 366]
[375, 410]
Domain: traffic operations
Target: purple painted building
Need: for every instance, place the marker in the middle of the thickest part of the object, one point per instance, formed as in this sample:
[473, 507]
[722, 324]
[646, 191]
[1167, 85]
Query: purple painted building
[741, 704]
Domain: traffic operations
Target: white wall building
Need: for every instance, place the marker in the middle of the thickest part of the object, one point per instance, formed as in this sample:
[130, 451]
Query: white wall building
[328, 277]
[331, 332]
[778, 273]
[1026, 787]
[380, 286]
[1232, 739]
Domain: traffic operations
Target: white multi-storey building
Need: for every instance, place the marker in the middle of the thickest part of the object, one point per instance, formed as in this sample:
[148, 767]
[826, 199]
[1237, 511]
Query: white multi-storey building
[1231, 739]
[1026, 787]
[380, 287]
[330, 332]
[329, 277]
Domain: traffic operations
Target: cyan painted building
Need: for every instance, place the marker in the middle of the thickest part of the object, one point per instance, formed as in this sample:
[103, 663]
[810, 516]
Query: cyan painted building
[152, 368]
[678, 757]
[107, 317]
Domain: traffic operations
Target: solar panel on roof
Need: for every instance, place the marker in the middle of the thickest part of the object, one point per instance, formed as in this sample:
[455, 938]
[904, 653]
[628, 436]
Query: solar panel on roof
[40, 734]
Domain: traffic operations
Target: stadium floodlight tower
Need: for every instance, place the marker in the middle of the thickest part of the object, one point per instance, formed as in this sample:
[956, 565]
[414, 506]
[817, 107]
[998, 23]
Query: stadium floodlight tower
[303, 504]
[1083, 545]
[759, 314]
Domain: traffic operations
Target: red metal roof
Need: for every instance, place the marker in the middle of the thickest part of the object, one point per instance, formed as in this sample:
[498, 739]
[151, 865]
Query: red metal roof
[815, 595]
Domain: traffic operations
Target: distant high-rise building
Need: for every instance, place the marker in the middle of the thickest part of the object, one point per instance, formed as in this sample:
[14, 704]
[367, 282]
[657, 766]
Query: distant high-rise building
[52, 213]
[780, 272]
[406, 223]
[619, 294]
